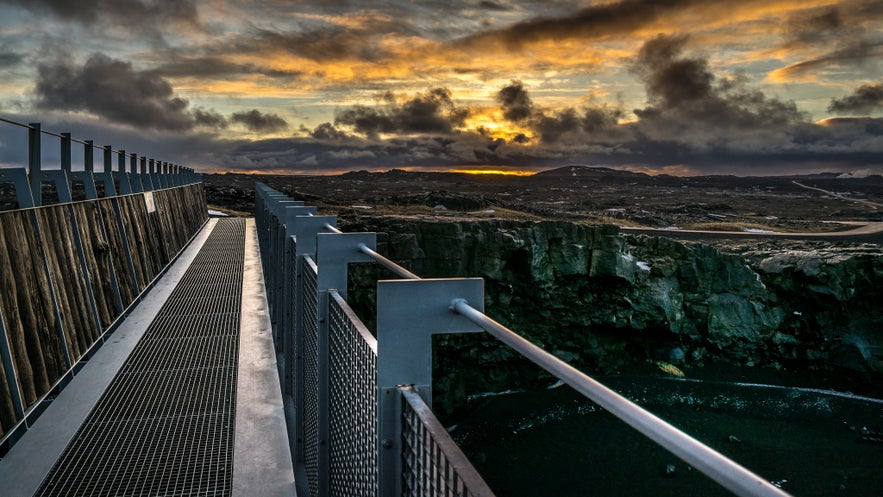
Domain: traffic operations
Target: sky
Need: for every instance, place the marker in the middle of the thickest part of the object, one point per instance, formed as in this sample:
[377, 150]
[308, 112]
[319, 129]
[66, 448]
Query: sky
[685, 87]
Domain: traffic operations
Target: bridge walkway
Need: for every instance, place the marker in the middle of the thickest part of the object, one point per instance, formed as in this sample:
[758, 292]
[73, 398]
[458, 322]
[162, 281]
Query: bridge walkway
[184, 399]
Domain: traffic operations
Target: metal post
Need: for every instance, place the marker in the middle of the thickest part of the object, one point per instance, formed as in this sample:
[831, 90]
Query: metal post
[409, 312]
[87, 175]
[125, 186]
[89, 156]
[34, 160]
[134, 179]
[66, 152]
[61, 177]
[105, 177]
[290, 290]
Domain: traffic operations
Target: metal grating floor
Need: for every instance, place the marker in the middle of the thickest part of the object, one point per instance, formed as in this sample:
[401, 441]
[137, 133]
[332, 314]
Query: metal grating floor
[165, 425]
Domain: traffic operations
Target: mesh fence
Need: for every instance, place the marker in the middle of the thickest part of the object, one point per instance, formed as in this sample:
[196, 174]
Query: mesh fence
[432, 464]
[289, 341]
[352, 403]
[311, 374]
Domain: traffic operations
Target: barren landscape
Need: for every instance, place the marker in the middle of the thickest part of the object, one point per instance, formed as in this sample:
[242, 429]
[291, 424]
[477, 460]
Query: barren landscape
[811, 203]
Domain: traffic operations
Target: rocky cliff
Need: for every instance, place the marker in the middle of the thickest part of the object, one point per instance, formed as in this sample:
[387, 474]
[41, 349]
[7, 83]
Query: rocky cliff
[600, 299]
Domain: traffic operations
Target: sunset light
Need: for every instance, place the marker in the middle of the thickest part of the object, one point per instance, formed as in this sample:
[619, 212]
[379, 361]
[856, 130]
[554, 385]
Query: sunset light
[315, 87]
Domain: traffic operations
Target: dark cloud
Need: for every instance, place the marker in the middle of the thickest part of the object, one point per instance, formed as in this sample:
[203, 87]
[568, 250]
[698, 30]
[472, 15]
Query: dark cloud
[684, 93]
[216, 67]
[845, 35]
[260, 122]
[141, 15]
[10, 59]
[331, 42]
[861, 53]
[112, 89]
[515, 102]
[551, 128]
[813, 26]
[431, 112]
[670, 80]
[866, 99]
[327, 131]
[593, 22]
[209, 118]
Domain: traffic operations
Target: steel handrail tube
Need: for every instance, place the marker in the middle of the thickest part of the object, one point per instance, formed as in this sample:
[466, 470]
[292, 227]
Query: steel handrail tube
[392, 266]
[718, 467]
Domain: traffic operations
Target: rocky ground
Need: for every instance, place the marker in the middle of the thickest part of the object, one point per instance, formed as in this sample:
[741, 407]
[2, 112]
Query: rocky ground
[592, 195]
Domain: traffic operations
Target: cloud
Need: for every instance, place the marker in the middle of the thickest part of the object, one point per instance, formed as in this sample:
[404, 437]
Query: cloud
[10, 59]
[861, 53]
[327, 132]
[597, 21]
[866, 99]
[844, 35]
[113, 89]
[146, 16]
[209, 118]
[515, 102]
[260, 122]
[430, 112]
[216, 67]
[684, 94]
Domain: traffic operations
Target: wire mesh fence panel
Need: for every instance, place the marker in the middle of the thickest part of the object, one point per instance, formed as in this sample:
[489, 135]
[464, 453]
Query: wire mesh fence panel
[311, 373]
[352, 403]
[289, 343]
[432, 464]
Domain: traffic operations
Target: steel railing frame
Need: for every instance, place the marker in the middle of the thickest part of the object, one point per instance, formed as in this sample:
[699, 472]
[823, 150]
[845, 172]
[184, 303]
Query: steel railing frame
[161, 174]
[300, 246]
[412, 309]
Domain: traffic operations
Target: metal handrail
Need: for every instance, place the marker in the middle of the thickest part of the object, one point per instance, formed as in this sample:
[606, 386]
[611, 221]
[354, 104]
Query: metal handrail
[88, 143]
[713, 464]
[392, 266]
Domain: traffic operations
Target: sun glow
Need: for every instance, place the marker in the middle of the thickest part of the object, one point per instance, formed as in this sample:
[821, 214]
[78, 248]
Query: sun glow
[500, 172]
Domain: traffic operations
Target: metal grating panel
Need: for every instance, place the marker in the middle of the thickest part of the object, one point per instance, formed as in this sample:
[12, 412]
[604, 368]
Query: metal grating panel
[352, 403]
[432, 464]
[290, 336]
[311, 374]
[165, 425]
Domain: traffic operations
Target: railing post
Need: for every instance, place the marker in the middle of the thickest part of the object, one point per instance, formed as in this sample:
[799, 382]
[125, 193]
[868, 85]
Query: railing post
[87, 175]
[66, 152]
[134, 179]
[106, 176]
[409, 312]
[291, 278]
[125, 186]
[61, 177]
[34, 160]
[276, 280]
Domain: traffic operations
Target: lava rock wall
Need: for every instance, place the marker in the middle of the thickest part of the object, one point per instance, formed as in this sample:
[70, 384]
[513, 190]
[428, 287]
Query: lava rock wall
[69, 271]
[600, 299]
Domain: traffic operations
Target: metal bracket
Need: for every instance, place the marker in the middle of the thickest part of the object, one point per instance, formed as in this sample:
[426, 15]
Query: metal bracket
[88, 180]
[19, 179]
[62, 184]
[409, 312]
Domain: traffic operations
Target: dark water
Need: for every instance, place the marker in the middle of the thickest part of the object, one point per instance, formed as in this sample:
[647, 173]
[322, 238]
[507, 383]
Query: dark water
[556, 443]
